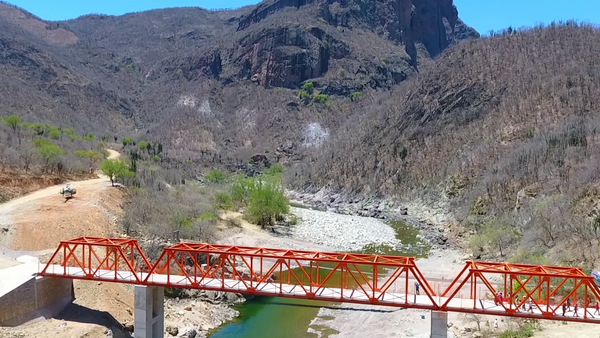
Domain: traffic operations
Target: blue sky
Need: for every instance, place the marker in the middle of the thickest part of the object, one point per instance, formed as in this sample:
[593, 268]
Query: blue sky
[483, 15]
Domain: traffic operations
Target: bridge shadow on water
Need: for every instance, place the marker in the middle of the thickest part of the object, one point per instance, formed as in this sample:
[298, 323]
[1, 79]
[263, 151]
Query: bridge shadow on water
[81, 314]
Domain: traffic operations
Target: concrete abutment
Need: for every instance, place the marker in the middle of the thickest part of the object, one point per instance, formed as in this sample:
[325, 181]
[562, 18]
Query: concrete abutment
[36, 298]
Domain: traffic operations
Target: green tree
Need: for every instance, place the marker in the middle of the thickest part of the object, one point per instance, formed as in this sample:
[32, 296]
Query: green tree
[143, 145]
[54, 133]
[89, 137]
[48, 151]
[38, 128]
[70, 134]
[91, 156]
[181, 220]
[127, 141]
[320, 98]
[267, 203]
[13, 122]
[303, 95]
[223, 201]
[216, 176]
[308, 87]
[114, 169]
[86, 154]
[241, 189]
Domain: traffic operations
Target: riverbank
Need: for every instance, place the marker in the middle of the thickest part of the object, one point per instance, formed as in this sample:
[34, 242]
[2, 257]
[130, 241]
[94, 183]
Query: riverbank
[331, 231]
[327, 231]
[432, 218]
[356, 320]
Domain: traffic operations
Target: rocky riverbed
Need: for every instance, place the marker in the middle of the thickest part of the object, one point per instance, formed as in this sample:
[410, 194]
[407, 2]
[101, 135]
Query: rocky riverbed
[432, 217]
[341, 232]
[195, 312]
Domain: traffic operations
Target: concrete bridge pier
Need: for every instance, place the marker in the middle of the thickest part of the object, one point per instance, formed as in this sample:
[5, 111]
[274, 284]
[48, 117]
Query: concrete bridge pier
[149, 315]
[439, 324]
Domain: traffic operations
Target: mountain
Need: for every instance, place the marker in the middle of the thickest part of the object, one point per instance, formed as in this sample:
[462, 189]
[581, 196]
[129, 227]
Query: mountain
[218, 84]
[502, 130]
[372, 98]
[44, 78]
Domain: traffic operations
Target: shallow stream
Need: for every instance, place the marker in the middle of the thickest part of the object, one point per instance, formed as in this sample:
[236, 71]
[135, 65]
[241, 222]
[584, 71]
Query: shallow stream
[290, 318]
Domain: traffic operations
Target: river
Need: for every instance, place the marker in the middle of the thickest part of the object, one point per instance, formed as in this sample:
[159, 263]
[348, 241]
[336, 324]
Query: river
[290, 318]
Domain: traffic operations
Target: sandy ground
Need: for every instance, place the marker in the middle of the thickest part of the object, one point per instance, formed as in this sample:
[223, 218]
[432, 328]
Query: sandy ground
[252, 235]
[40, 220]
[36, 223]
[560, 330]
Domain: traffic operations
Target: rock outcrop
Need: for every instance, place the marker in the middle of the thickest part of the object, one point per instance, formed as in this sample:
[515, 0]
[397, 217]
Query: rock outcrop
[432, 23]
[349, 45]
[282, 56]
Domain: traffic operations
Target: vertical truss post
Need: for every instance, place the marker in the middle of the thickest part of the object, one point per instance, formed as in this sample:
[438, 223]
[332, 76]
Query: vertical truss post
[352, 277]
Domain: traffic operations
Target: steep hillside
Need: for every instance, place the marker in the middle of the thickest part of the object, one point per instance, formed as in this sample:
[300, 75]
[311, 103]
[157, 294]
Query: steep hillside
[510, 137]
[218, 85]
[44, 79]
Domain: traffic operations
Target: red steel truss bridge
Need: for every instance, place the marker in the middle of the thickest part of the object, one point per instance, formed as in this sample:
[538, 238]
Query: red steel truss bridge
[528, 291]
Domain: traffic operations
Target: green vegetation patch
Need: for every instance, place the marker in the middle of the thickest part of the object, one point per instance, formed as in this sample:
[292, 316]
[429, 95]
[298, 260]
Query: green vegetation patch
[411, 245]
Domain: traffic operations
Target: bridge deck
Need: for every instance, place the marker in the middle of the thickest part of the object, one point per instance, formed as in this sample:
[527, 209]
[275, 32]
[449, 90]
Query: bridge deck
[354, 295]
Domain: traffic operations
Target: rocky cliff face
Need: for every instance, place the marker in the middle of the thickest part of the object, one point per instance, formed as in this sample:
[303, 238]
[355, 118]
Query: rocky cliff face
[281, 56]
[432, 23]
[344, 45]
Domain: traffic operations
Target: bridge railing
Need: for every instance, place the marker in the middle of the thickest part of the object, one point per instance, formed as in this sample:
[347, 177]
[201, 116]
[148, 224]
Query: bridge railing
[523, 290]
[330, 276]
[519, 290]
[119, 260]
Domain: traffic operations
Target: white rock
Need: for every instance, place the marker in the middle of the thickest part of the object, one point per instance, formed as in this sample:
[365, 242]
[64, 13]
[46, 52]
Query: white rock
[341, 232]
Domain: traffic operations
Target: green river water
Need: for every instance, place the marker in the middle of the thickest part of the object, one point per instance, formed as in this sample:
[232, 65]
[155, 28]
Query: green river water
[275, 317]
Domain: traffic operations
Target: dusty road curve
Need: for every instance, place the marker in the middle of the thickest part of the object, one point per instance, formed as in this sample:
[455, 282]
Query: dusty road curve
[37, 220]
[53, 190]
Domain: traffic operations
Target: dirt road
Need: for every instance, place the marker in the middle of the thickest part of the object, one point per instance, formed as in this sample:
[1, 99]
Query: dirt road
[52, 191]
[39, 220]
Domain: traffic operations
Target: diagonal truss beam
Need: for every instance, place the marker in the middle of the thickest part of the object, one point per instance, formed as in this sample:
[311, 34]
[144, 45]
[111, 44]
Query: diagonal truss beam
[531, 291]
[118, 260]
[332, 276]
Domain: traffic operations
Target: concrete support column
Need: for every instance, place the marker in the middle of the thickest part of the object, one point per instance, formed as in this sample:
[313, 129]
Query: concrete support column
[439, 324]
[149, 316]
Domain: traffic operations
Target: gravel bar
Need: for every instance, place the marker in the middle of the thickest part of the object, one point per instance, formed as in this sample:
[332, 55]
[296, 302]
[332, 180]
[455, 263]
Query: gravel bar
[341, 232]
